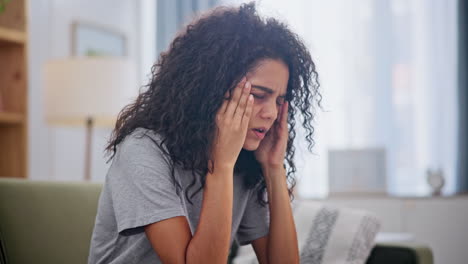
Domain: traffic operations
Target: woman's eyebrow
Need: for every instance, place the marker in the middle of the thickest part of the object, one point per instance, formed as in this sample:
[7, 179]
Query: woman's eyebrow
[266, 89]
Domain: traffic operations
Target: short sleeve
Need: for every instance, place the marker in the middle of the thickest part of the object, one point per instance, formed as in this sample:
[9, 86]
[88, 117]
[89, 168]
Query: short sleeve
[141, 185]
[255, 221]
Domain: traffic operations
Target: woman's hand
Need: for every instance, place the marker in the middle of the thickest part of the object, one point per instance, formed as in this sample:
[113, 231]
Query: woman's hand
[272, 150]
[232, 121]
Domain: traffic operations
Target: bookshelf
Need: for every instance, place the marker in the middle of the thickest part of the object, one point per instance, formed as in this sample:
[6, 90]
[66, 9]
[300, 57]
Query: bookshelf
[13, 89]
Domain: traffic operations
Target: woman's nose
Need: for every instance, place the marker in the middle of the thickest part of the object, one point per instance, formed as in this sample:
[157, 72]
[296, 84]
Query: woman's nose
[269, 111]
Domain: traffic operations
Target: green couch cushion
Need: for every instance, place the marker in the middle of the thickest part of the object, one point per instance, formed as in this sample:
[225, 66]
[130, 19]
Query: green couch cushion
[37, 218]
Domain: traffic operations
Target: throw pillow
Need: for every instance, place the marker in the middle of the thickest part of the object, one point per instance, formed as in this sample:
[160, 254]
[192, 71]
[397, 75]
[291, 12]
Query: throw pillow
[328, 235]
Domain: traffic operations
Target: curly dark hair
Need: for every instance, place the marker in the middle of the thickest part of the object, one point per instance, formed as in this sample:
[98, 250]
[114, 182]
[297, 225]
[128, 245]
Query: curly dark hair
[190, 80]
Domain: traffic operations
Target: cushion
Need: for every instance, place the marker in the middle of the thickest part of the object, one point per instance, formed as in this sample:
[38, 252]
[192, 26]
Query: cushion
[328, 235]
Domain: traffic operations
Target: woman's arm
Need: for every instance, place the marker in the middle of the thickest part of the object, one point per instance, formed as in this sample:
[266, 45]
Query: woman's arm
[280, 246]
[171, 239]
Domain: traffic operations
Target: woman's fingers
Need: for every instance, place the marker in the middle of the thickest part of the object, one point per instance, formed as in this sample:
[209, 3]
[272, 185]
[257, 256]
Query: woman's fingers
[283, 119]
[222, 110]
[240, 110]
[247, 112]
[232, 105]
[232, 125]
[227, 101]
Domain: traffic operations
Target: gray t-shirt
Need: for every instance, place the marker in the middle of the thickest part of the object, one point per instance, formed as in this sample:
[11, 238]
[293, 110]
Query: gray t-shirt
[138, 191]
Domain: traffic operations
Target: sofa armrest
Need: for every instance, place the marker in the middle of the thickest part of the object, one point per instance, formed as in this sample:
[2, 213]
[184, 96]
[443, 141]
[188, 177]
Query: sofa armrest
[400, 253]
[46, 222]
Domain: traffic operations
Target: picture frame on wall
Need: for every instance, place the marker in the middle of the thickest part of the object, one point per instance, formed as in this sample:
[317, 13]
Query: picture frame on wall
[95, 40]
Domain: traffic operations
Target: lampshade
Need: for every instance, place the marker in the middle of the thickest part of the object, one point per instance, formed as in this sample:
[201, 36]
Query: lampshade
[83, 87]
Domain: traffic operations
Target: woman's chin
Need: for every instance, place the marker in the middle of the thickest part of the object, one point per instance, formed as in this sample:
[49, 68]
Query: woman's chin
[251, 145]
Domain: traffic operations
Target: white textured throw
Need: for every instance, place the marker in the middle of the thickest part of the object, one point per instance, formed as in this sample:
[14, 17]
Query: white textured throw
[328, 235]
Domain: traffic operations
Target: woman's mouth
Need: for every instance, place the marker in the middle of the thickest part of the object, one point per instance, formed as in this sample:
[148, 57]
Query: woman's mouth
[259, 132]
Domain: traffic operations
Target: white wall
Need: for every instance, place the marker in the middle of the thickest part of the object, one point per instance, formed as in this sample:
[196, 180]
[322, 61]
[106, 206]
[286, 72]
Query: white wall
[58, 153]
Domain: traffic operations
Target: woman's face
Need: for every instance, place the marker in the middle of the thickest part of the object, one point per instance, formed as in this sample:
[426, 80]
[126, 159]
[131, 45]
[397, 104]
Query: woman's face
[269, 83]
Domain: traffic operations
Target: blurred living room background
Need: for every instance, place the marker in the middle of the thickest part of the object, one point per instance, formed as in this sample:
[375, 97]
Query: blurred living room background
[391, 137]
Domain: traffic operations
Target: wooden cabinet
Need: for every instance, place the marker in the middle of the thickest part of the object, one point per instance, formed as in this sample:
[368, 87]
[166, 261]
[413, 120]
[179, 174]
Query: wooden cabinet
[13, 89]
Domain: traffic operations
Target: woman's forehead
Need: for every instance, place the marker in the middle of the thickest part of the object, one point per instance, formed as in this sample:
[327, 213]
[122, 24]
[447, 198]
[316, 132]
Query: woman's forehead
[272, 74]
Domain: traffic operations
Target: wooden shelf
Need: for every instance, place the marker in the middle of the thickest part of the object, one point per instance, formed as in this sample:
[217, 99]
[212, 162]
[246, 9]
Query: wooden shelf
[11, 118]
[12, 35]
[14, 90]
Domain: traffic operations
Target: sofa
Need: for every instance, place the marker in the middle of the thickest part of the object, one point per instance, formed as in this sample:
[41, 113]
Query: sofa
[52, 222]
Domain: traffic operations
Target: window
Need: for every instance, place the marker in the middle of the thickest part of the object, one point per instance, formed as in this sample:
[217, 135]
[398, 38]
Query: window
[388, 76]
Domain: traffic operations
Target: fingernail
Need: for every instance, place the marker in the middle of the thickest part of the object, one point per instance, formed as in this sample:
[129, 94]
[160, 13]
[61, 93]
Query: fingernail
[247, 85]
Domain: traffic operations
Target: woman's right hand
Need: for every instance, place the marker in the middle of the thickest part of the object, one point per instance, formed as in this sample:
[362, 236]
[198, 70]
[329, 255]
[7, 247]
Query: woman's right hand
[232, 121]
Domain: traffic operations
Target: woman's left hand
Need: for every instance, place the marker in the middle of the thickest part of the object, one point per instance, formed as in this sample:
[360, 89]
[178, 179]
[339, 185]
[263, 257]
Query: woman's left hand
[272, 150]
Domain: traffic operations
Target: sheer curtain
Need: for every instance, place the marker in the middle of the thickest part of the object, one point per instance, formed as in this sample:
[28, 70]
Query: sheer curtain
[159, 23]
[173, 14]
[388, 76]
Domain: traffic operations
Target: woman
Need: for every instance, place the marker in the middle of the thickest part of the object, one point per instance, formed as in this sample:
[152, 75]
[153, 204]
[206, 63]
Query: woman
[198, 158]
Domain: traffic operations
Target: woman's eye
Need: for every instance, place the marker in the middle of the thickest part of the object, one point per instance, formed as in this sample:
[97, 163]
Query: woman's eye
[280, 101]
[258, 96]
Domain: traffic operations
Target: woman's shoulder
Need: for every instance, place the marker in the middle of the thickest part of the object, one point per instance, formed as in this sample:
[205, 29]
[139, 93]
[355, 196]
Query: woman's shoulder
[142, 143]
[141, 132]
[141, 136]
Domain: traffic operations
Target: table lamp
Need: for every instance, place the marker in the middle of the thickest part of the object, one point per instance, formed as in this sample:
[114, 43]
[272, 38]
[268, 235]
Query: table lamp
[88, 91]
